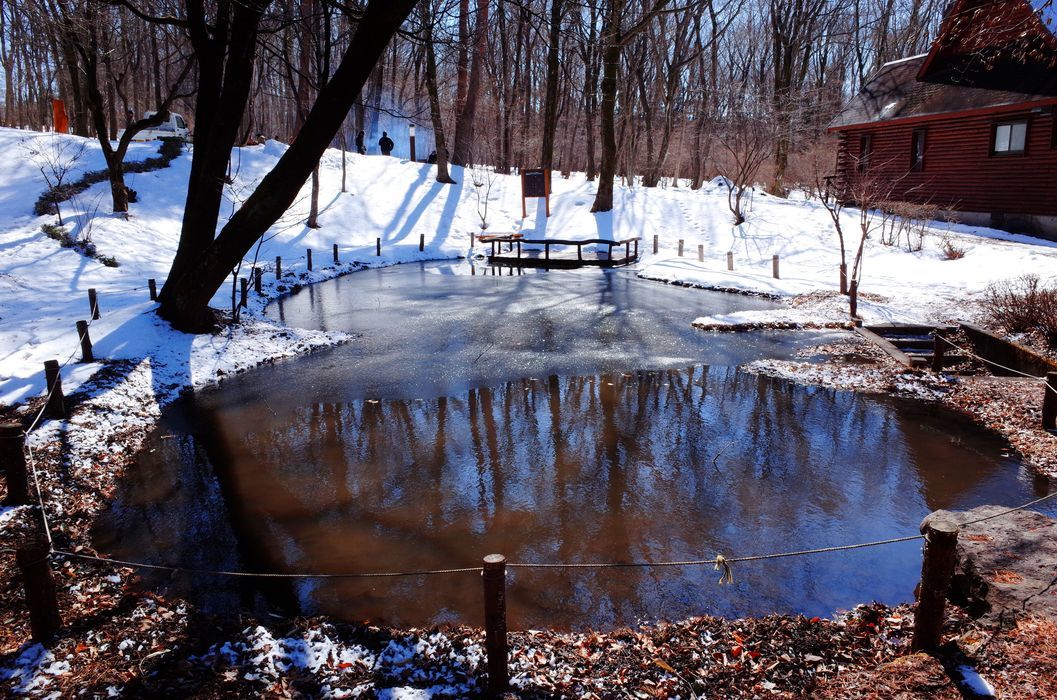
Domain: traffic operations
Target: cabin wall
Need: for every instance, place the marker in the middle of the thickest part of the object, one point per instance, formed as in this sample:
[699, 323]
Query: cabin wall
[1016, 192]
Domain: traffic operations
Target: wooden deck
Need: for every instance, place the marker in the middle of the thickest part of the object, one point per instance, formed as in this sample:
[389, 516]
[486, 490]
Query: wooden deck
[556, 253]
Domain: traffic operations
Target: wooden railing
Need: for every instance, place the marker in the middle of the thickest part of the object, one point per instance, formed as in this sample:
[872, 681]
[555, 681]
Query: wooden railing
[548, 242]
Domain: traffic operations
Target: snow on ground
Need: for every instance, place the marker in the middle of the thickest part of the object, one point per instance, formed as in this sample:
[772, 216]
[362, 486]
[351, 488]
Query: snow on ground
[45, 287]
[43, 292]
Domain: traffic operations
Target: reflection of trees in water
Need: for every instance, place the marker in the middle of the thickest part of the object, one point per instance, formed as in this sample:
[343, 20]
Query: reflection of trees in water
[623, 466]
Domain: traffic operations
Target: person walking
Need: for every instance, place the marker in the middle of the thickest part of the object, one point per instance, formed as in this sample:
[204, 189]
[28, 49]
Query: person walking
[385, 144]
[360, 147]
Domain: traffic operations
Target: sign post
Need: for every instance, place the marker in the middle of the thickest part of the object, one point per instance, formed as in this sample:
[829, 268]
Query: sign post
[535, 182]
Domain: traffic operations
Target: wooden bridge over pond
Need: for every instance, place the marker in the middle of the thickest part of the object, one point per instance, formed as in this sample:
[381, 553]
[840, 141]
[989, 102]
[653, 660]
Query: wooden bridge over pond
[557, 253]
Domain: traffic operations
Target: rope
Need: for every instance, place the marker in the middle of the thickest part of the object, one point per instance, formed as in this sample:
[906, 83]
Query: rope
[254, 574]
[720, 561]
[1011, 510]
[35, 424]
[996, 364]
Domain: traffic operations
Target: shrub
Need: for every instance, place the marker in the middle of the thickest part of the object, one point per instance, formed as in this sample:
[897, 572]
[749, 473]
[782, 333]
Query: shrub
[1024, 305]
[58, 233]
[952, 250]
[86, 248]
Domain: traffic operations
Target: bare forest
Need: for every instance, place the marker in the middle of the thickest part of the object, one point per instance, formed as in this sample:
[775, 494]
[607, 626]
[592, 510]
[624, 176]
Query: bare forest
[647, 89]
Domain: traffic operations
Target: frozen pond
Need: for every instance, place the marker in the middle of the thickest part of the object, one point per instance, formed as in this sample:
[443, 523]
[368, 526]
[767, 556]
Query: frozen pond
[552, 417]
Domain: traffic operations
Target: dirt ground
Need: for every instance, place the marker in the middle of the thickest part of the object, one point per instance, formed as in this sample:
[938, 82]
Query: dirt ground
[121, 639]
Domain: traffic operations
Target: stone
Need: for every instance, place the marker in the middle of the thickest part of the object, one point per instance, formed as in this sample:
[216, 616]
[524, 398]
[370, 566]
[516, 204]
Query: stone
[1007, 566]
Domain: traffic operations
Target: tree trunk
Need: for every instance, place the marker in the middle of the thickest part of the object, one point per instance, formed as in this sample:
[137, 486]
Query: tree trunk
[610, 66]
[225, 70]
[550, 103]
[434, 96]
[185, 302]
[463, 147]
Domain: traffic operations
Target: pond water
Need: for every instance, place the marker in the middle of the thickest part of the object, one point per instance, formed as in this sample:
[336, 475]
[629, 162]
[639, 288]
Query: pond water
[553, 417]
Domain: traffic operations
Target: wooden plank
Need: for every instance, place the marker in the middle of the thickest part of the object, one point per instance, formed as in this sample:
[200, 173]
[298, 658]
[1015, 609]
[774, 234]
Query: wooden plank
[894, 352]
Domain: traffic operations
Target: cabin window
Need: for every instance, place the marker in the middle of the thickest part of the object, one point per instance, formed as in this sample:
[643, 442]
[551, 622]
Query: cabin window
[865, 151]
[917, 150]
[1009, 138]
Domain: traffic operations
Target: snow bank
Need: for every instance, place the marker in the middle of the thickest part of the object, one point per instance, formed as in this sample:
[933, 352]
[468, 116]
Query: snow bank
[43, 288]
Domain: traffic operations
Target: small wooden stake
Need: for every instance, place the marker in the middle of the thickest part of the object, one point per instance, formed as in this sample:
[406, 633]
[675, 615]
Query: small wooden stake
[244, 285]
[308, 254]
[86, 342]
[655, 243]
[258, 280]
[153, 287]
[421, 242]
[44, 619]
[939, 557]
[1049, 402]
[473, 239]
[680, 247]
[939, 349]
[378, 247]
[13, 462]
[494, 578]
[700, 253]
[56, 407]
[278, 267]
[93, 304]
[774, 266]
[730, 260]
[335, 253]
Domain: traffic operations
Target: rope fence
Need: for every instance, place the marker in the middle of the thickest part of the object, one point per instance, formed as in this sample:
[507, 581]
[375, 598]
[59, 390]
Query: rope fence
[33, 560]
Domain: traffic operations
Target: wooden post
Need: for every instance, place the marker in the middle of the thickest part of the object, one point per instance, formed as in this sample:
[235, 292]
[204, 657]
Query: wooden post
[636, 248]
[153, 287]
[378, 247]
[421, 242]
[519, 250]
[56, 407]
[774, 266]
[44, 619]
[93, 304]
[655, 243]
[13, 462]
[494, 578]
[336, 254]
[86, 342]
[680, 247]
[730, 260]
[579, 251]
[700, 253]
[937, 567]
[853, 298]
[843, 278]
[627, 251]
[258, 280]
[1049, 402]
[546, 251]
[939, 348]
[473, 239]
[244, 285]
[278, 267]
[308, 255]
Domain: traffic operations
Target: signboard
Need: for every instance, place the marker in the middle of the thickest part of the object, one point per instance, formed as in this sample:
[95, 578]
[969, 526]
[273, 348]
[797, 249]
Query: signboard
[535, 182]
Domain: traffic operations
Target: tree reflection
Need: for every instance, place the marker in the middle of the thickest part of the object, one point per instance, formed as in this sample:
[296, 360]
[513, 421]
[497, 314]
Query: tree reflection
[650, 465]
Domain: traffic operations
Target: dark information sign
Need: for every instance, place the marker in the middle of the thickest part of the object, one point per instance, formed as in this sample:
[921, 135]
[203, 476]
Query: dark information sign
[535, 183]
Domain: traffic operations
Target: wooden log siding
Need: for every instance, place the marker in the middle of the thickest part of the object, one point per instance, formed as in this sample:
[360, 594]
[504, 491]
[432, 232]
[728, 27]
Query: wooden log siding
[959, 172]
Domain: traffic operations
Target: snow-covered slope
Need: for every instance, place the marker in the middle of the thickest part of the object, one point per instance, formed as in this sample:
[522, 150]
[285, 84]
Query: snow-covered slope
[43, 288]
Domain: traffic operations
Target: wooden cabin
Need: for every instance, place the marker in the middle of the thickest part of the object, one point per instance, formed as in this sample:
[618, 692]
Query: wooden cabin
[971, 126]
